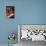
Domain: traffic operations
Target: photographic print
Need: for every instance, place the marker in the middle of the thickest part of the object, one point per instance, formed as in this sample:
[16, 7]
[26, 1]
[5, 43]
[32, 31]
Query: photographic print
[33, 32]
[10, 12]
[29, 34]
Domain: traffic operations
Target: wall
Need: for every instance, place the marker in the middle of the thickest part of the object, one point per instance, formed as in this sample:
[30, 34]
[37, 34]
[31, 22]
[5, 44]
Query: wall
[27, 12]
[31, 11]
[6, 25]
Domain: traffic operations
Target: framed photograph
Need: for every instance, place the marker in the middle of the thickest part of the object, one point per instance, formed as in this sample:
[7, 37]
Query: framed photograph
[10, 12]
[33, 32]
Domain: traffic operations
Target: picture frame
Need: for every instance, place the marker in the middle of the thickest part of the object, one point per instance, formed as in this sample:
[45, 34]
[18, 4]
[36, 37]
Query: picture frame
[10, 12]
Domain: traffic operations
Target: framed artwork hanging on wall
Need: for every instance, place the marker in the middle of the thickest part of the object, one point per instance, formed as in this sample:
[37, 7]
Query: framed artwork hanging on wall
[10, 12]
